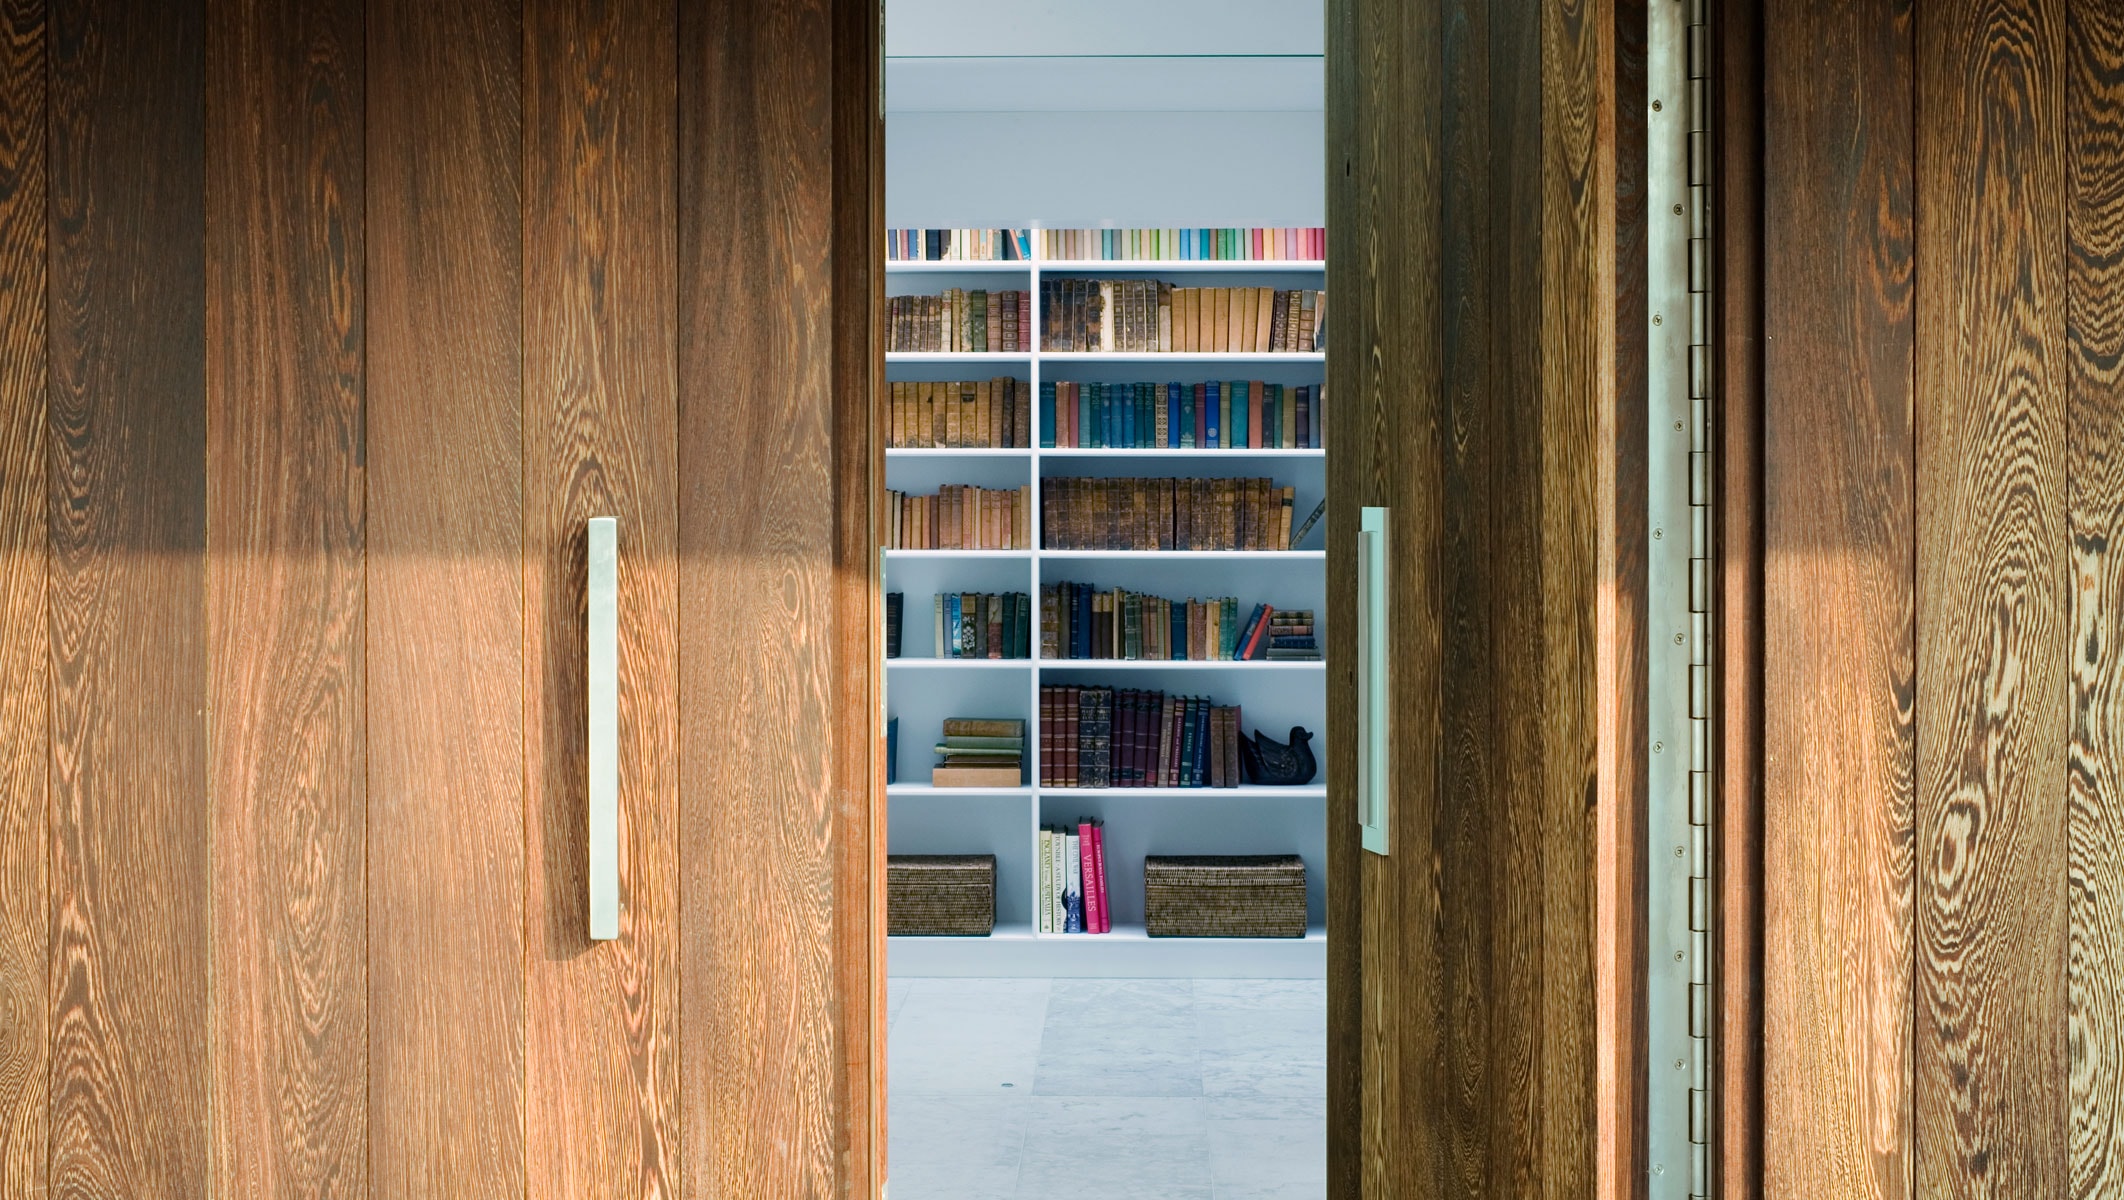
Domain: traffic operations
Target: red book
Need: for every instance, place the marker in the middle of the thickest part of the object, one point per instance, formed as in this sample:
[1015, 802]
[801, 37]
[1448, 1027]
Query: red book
[1253, 415]
[1201, 416]
[1260, 631]
[1088, 868]
[1071, 699]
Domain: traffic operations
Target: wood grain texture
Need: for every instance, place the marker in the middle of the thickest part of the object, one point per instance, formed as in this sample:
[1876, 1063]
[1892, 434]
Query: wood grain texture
[1838, 616]
[284, 592]
[25, 633]
[445, 631]
[1737, 329]
[2095, 501]
[601, 439]
[859, 479]
[761, 1017]
[127, 489]
[1576, 363]
[1992, 1104]
[1623, 553]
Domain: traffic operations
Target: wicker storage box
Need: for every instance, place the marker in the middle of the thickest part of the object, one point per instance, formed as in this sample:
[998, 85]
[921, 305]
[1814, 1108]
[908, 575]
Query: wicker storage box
[940, 895]
[1251, 895]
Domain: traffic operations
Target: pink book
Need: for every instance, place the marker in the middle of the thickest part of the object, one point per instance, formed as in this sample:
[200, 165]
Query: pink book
[1088, 864]
[1098, 875]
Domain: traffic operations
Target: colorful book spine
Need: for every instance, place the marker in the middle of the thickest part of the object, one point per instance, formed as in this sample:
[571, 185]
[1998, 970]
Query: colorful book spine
[1306, 244]
[1087, 850]
[958, 245]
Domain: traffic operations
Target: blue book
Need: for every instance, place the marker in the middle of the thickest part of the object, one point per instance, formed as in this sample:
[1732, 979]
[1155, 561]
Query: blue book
[1239, 401]
[1202, 741]
[952, 628]
[892, 750]
[1211, 402]
[1110, 432]
[1172, 416]
[1080, 631]
[1084, 416]
[1047, 416]
[1179, 630]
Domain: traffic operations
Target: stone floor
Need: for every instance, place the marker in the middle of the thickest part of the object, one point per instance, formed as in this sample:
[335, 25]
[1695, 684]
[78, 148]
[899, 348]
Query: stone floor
[1173, 1089]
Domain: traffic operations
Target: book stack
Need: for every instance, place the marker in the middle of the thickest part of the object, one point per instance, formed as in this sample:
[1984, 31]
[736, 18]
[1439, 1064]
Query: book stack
[1073, 895]
[959, 322]
[1078, 621]
[958, 245]
[1081, 316]
[959, 517]
[984, 625]
[980, 752]
[1097, 737]
[1275, 244]
[1237, 414]
[1290, 637]
[990, 414]
[1165, 514]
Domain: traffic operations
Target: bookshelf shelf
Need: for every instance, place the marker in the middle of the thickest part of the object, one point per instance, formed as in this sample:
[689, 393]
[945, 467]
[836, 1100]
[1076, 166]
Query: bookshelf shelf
[1272, 696]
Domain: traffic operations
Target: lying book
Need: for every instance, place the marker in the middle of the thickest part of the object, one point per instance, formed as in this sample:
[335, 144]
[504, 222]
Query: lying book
[983, 727]
[949, 776]
[1003, 752]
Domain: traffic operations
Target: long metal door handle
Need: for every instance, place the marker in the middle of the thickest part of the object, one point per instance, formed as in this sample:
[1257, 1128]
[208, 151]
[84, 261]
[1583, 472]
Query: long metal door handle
[1373, 726]
[602, 680]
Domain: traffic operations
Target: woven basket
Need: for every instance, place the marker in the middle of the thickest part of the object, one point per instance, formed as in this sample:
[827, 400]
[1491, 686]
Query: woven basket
[940, 895]
[1248, 895]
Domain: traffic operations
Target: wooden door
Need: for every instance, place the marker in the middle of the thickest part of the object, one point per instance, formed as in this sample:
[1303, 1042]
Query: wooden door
[324, 327]
[1471, 260]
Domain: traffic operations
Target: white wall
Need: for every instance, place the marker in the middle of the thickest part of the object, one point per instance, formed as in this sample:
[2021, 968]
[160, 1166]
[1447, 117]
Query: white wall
[982, 28]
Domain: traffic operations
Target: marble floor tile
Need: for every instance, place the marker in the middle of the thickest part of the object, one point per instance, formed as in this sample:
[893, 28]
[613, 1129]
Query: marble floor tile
[1120, 1037]
[967, 1035]
[895, 995]
[956, 1147]
[1270, 1053]
[1282, 1159]
[1115, 1148]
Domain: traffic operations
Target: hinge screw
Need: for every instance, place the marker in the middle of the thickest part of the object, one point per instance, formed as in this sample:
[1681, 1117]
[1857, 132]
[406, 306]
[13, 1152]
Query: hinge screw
[1655, 106]
[1677, 210]
[1681, 852]
[1681, 1065]
[1677, 956]
[1677, 639]
[1677, 427]
[1657, 319]
[1658, 534]
[1658, 746]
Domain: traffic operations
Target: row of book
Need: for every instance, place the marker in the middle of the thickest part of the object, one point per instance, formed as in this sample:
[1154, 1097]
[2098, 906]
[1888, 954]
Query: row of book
[1251, 244]
[989, 414]
[958, 245]
[1073, 895]
[959, 321]
[959, 516]
[1098, 737]
[1151, 316]
[980, 752]
[1120, 513]
[1078, 621]
[983, 625]
[1238, 414]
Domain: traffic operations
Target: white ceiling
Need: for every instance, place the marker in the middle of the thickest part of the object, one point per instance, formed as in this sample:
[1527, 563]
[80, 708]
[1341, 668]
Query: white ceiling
[1104, 28]
[1103, 84]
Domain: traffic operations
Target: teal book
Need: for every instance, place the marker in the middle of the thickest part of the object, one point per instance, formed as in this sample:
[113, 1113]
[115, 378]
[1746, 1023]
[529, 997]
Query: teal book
[1047, 416]
[1239, 427]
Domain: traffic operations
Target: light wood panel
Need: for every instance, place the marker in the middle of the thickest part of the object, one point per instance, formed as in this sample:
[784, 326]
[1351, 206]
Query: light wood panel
[2095, 501]
[445, 631]
[600, 439]
[1838, 614]
[25, 748]
[761, 793]
[1991, 1102]
[284, 587]
[127, 489]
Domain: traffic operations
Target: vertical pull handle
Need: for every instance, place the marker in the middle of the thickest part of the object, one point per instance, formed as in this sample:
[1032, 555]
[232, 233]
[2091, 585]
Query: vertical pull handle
[601, 648]
[1373, 726]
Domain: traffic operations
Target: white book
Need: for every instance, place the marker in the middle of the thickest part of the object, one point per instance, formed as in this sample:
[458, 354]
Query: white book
[1073, 886]
[1047, 881]
[1056, 877]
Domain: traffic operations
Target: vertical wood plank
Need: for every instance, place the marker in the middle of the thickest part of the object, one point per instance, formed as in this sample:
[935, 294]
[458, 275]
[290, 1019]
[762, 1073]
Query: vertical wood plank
[1577, 358]
[1992, 1103]
[445, 633]
[859, 478]
[25, 634]
[1838, 617]
[1624, 741]
[601, 439]
[1737, 317]
[760, 1016]
[284, 585]
[2095, 471]
[127, 490]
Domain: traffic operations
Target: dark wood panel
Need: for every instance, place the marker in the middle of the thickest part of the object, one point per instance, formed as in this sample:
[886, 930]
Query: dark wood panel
[601, 439]
[1625, 742]
[761, 1020]
[1992, 1103]
[1838, 608]
[284, 591]
[445, 635]
[1737, 118]
[2095, 468]
[1577, 287]
[127, 490]
[25, 747]
[859, 475]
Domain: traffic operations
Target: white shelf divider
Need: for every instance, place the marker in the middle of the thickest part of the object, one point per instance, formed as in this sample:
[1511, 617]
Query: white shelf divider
[1015, 949]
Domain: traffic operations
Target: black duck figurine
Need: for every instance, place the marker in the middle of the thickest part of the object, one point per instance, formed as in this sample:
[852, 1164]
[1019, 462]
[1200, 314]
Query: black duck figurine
[1269, 763]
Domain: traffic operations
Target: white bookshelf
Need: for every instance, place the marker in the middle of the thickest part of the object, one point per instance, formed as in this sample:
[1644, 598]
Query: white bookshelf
[922, 690]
